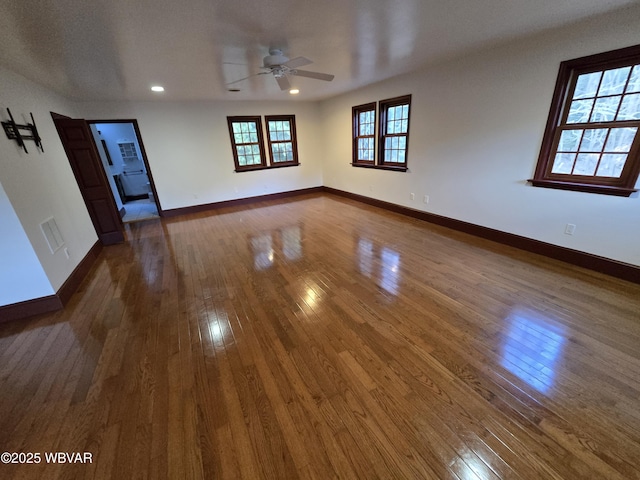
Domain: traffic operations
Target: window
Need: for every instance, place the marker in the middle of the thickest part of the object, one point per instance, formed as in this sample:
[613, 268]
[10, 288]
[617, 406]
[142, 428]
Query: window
[364, 131]
[247, 143]
[281, 135]
[591, 142]
[393, 134]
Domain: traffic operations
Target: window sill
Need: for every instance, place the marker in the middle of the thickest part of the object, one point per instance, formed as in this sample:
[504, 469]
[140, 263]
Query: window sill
[380, 167]
[268, 167]
[583, 187]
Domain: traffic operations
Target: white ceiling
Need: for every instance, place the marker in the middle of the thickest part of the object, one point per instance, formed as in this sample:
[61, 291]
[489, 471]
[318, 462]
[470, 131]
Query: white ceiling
[117, 49]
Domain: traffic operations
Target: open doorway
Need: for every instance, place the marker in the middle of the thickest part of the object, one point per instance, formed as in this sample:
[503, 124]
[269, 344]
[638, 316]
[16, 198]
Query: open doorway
[125, 163]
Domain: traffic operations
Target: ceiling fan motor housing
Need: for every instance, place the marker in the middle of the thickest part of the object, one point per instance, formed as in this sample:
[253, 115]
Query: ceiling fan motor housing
[274, 58]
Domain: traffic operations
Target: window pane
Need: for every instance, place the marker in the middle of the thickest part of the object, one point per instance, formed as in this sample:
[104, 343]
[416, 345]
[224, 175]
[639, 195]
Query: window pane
[366, 123]
[593, 140]
[580, 111]
[605, 109]
[273, 133]
[620, 139]
[363, 149]
[634, 81]
[237, 137]
[252, 127]
[569, 140]
[611, 165]
[237, 128]
[563, 163]
[630, 108]
[614, 81]
[390, 127]
[391, 114]
[586, 164]
[587, 85]
[282, 152]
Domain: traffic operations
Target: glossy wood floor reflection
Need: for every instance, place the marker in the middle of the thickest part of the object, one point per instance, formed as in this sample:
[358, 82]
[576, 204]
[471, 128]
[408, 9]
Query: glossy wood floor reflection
[317, 337]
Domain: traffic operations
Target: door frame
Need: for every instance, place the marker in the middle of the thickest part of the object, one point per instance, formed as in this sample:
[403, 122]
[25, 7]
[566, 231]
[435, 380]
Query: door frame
[105, 219]
[136, 129]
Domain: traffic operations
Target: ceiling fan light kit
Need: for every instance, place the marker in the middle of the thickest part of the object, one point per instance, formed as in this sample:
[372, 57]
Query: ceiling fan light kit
[275, 58]
[281, 67]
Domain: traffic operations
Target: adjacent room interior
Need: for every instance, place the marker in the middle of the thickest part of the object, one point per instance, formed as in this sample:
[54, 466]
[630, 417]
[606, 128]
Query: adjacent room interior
[337, 240]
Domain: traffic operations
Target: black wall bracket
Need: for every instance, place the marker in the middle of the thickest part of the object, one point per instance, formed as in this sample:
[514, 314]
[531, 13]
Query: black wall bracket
[13, 131]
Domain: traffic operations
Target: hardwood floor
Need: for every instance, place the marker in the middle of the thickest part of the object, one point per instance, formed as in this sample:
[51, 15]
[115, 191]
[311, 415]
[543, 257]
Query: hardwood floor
[317, 337]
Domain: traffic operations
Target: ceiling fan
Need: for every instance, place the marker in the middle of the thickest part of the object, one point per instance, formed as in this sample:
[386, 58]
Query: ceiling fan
[281, 68]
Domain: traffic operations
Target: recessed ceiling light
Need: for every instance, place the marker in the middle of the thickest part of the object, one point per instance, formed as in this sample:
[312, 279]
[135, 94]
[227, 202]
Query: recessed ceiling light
[157, 88]
[294, 91]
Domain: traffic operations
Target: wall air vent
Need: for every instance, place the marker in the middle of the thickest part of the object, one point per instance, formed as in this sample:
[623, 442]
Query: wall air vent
[51, 233]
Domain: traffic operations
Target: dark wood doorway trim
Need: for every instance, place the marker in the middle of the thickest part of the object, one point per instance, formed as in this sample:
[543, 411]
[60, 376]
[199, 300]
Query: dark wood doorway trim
[136, 128]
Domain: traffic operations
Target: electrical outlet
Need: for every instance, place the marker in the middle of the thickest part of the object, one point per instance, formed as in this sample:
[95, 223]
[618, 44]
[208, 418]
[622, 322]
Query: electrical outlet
[569, 229]
[412, 196]
[425, 199]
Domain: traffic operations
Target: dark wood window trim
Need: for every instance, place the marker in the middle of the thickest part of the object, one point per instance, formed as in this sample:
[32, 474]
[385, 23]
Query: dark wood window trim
[274, 142]
[381, 126]
[384, 134]
[358, 135]
[380, 167]
[235, 145]
[624, 185]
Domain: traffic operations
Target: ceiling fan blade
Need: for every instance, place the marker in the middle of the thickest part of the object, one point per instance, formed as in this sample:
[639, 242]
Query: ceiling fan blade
[244, 78]
[297, 62]
[317, 75]
[283, 81]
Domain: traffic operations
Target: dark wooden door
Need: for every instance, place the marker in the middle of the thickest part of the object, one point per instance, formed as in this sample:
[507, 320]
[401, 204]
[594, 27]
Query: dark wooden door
[81, 150]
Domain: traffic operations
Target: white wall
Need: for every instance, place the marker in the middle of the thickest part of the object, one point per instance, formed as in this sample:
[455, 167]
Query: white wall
[189, 150]
[476, 127]
[41, 185]
[21, 275]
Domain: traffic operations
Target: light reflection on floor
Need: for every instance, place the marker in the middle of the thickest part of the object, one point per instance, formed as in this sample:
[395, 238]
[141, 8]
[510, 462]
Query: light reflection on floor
[287, 240]
[262, 247]
[532, 349]
[389, 261]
